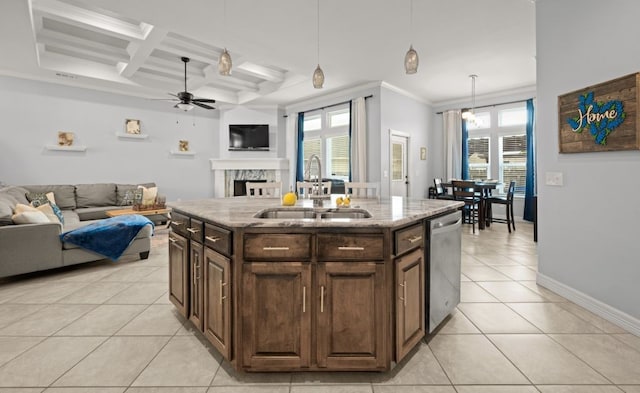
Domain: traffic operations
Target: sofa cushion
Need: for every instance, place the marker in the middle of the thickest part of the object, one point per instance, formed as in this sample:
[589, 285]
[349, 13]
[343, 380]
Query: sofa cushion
[71, 218]
[7, 204]
[94, 195]
[19, 193]
[94, 213]
[121, 190]
[65, 194]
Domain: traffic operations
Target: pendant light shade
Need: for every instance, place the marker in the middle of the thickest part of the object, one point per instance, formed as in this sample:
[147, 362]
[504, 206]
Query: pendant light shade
[469, 114]
[318, 77]
[411, 61]
[318, 74]
[224, 63]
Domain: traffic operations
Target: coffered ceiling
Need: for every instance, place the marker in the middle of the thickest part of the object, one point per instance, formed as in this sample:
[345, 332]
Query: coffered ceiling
[134, 47]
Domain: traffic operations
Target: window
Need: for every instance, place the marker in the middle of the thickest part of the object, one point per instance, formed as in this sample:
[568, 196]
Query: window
[498, 146]
[326, 134]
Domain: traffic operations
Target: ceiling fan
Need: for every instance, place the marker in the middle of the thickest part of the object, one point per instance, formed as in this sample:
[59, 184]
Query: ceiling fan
[187, 100]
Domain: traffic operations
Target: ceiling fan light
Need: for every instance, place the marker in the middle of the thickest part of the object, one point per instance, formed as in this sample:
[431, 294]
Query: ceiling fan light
[183, 106]
[411, 61]
[224, 63]
[318, 77]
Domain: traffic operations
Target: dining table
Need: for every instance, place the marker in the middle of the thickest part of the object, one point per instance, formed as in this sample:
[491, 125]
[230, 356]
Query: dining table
[484, 189]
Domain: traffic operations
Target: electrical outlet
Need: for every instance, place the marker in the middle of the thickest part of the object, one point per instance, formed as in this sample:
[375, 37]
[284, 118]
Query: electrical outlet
[385, 174]
[554, 179]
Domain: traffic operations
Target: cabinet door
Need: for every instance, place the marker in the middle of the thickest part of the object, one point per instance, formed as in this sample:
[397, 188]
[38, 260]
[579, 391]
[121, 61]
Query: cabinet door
[276, 315]
[410, 302]
[196, 308]
[217, 301]
[351, 315]
[179, 273]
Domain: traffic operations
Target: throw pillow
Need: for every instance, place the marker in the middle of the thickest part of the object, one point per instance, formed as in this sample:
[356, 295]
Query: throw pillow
[37, 198]
[57, 212]
[51, 197]
[148, 195]
[46, 208]
[131, 197]
[30, 217]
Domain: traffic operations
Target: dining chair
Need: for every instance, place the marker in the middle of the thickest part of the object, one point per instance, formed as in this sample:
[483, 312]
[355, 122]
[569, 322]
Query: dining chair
[264, 190]
[306, 188]
[362, 189]
[465, 191]
[441, 191]
[508, 204]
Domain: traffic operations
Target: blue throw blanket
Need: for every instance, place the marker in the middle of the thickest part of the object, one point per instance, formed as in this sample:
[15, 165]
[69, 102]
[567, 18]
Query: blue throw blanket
[108, 237]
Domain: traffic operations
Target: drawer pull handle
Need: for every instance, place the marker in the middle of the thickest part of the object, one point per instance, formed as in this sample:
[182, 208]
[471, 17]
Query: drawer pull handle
[222, 297]
[322, 298]
[404, 293]
[193, 230]
[414, 239]
[275, 248]
[172, 240]
[212, 239]
[304, 299]
[177, 223]
[348, 248]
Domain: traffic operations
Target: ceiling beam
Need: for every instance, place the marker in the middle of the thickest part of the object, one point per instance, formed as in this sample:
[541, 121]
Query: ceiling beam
[139, 51]
[98, 49]
[211, 75]
[261, 71]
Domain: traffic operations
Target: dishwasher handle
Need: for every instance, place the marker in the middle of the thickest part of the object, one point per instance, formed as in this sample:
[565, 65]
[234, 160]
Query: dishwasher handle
[441, 227]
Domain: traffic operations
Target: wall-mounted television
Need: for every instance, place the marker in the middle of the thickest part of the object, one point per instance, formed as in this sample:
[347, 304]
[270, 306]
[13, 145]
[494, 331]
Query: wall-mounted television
[248, 137]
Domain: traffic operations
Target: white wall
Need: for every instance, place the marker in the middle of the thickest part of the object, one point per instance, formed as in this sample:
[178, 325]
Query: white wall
[588, 228]
[33, 112]
[407, 115]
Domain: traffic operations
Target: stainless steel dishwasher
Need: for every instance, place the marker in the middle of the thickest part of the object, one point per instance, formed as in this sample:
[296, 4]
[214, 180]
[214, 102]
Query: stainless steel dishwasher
[443, 267]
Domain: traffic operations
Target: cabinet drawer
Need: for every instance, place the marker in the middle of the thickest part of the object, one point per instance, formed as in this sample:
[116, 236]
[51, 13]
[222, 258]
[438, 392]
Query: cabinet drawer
[217, 239]
[350, 247]
[278, 247]
[408, 238]
[180, 223]
[196, 230]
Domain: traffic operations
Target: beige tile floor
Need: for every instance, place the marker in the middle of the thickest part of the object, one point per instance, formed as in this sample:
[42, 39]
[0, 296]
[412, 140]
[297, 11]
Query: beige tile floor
[109, 328]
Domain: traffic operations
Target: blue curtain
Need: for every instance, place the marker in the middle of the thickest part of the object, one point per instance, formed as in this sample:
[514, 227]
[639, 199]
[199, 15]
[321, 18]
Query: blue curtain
[350, 119]
[465, 151]
[530, 183]
[300, 159]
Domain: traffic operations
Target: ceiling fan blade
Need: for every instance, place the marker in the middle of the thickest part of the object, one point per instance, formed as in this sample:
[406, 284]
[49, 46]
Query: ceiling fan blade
[204, 100]
[202, 105]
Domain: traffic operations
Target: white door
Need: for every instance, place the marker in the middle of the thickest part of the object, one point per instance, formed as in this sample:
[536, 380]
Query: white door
[399, 165]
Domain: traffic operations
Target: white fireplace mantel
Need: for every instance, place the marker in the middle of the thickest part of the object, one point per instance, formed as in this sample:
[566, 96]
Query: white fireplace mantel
[220, 166]
[279, 164]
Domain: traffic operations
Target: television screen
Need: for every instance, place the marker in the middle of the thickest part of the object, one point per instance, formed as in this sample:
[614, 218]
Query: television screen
[248, 137]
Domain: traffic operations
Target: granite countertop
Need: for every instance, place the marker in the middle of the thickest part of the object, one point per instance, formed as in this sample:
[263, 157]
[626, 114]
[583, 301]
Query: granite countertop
[240, 211]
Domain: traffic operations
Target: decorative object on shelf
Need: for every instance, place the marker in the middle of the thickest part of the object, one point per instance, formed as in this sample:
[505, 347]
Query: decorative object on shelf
[601, 117]
[423, 153]
[411, 59]
[469, 114]
[318, 74]
[65, 138]
[183, 145]
[132, 126]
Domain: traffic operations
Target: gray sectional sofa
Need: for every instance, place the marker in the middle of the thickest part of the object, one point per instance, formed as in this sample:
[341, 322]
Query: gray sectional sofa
[26, 248]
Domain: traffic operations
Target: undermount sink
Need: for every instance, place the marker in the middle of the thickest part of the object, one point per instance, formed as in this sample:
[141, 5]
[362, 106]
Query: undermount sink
[306, 213]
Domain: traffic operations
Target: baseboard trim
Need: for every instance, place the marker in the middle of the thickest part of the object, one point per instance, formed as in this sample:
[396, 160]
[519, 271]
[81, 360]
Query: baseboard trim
[611, 314]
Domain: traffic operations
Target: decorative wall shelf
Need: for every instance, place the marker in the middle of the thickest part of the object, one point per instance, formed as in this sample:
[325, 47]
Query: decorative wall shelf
[66, 148]
[182, 153]
[131, 136]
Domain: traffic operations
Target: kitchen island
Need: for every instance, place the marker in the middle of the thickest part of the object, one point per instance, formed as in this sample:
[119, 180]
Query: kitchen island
[305, 288]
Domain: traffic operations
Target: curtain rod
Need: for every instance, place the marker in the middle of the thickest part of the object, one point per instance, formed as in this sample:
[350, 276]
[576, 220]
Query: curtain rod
[487, 106]
[329, 106]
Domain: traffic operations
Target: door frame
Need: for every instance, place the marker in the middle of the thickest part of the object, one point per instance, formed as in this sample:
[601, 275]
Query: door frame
[406, 135]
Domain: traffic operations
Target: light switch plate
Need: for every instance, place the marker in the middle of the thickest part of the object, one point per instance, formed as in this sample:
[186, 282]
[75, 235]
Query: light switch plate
[554, 179]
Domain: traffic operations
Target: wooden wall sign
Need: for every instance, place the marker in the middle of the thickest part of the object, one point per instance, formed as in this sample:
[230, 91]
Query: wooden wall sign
[601, 117]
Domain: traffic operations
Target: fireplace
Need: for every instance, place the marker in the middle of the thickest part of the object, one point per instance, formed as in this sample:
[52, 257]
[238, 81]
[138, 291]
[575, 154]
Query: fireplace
[240, 186]
[227, 171]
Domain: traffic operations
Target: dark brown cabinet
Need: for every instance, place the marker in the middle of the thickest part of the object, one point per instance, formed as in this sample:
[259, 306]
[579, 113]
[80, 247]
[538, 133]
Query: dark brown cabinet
[196, 308]
[410, 301]
[179, 273]
[350, 315]
[276, 315]
[217, 301]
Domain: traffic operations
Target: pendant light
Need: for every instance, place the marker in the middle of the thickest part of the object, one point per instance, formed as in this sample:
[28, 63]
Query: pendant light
[224, 62]
[469, 114]
[411, 58]
[318, 75]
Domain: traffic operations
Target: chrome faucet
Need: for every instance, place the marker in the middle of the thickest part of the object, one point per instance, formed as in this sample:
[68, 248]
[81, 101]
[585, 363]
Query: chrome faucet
[317, 193]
